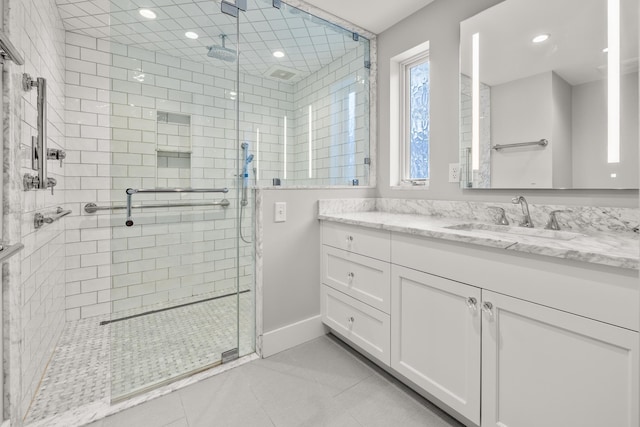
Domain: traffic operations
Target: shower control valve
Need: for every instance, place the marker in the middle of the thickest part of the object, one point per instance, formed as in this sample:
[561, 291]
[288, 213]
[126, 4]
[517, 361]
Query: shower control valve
[30, 182]
[55, 154]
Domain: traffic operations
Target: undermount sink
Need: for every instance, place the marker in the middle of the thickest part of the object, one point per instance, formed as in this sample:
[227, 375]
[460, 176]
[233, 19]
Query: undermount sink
[515, 231]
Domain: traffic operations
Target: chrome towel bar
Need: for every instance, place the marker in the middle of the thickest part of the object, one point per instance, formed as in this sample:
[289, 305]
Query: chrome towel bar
[93, 208]
[131, 191]
[9, 51]
[39, 220]
[542, 143]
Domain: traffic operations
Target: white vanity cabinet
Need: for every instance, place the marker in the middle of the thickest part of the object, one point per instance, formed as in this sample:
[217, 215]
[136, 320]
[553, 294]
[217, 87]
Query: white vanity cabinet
[355, 291]
[546, 367]
[498, 339]
[435, 337]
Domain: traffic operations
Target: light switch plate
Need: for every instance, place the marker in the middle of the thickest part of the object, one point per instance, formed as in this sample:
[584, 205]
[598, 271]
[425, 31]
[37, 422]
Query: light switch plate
[280, 212]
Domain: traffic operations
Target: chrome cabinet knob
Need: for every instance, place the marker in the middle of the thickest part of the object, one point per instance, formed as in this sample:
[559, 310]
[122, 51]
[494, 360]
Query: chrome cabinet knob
[349, 239]
[351, 275]
[472, 303]
[350, 320]
[487, 307]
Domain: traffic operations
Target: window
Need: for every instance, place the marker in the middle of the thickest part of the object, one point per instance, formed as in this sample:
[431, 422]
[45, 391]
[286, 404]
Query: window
[415, 143]
[410, 118]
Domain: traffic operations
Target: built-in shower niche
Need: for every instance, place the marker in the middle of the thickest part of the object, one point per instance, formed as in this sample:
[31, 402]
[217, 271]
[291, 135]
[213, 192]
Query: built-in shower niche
[173, 149]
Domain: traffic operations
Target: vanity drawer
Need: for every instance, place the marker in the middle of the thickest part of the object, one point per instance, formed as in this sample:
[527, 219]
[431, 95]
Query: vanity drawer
[364, 326]
[363, 241]
[363, 278]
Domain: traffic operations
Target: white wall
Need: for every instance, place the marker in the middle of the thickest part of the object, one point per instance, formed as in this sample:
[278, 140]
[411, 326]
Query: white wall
[590, 167]
[291, 274]
[34, 289]
[561, 131]
[439, 23]
[522, 111]
[530, 109]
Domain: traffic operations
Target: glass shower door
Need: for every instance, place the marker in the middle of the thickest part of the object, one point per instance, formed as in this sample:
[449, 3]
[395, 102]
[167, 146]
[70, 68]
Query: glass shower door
[176, 267]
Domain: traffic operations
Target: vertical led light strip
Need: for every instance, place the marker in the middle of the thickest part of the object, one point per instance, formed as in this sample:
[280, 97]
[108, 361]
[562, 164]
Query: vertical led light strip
[475, 102]
[310, 142]
[284, 175]
[613, 81]
[257, 153]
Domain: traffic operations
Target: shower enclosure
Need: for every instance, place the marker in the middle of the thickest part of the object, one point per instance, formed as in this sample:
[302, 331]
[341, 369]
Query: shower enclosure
[177, 112]
[206, 104]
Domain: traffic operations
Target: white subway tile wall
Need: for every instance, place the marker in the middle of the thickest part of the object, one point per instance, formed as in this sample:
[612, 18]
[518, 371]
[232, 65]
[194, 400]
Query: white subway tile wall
[169, 255]
[38, 292]
[338, 95]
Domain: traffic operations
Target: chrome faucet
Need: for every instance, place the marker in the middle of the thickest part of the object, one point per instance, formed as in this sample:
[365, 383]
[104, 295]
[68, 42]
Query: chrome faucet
[501, 219]
[525, 211]
[552, 224]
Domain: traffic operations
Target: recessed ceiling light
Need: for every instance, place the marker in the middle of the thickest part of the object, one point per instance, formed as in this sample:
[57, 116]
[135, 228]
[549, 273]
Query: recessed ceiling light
[605, 50]
[146, 13]
[540, 38]
[191, 35]
[278, 54]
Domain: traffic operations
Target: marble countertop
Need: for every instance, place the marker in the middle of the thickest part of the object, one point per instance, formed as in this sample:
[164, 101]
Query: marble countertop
[616, 249]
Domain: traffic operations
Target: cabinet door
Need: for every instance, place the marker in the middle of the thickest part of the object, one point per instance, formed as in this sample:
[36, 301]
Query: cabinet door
[545, 367]
[435, 337]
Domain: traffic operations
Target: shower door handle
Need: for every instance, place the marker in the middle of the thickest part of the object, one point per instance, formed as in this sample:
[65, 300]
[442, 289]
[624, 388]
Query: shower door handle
[131, 191]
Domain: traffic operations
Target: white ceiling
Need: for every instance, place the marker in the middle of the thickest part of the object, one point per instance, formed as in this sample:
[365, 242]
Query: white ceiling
[373, 15]
[578, 30]
[309, 44]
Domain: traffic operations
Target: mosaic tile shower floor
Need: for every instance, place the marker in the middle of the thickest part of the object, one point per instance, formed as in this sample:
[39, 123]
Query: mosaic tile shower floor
[141, 351]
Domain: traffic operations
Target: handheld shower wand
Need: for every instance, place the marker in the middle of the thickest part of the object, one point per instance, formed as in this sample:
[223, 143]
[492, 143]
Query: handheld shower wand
[245, 174]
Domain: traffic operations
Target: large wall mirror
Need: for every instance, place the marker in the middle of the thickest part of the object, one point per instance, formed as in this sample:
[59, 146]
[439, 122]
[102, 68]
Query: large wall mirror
[549, 95]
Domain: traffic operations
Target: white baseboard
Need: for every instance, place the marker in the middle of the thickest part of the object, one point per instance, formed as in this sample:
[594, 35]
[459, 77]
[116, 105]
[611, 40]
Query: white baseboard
[292, 335]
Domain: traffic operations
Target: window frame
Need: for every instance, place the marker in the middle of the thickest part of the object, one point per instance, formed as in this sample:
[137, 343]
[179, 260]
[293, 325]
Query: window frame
[405, 119]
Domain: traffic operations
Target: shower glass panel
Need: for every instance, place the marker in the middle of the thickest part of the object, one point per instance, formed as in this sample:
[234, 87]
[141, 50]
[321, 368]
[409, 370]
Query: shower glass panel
[304, 92]
[182, 290]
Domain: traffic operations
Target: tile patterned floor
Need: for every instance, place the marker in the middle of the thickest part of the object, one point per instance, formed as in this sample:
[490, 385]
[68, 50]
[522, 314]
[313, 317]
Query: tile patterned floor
[320, 383]
[141, 352]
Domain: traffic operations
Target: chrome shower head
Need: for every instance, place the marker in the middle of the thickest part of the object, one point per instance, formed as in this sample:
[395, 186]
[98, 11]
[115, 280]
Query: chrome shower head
[222, 52]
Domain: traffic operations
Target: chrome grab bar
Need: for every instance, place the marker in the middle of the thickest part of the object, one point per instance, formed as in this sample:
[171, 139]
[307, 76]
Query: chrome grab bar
[93, 208]
[7, 252]
[542, 143]
[39, 220]
[131, 191]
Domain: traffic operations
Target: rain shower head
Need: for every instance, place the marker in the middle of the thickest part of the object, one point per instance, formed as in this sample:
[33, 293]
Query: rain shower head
[222, 52]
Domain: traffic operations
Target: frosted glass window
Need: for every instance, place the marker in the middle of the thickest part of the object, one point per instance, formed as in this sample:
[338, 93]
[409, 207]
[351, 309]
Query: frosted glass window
[418, 132]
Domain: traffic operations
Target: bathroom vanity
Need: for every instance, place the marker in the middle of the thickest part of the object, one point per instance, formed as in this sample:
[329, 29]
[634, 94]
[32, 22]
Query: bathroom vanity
[498, 328]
